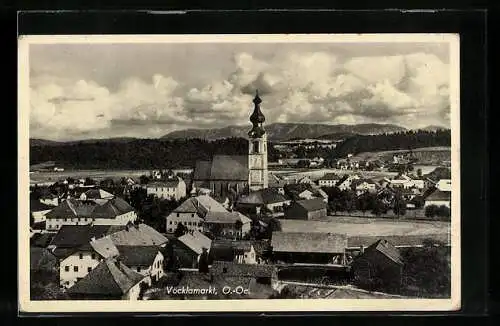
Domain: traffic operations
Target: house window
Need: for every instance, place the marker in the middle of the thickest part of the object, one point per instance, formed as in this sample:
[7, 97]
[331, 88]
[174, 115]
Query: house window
[170, 230]
[192, 215]
[65, 219]
[170, 222]
[177, 214]
[75, 268]
[80, 256]
[66, 268]
[89, 269]
[138, 269]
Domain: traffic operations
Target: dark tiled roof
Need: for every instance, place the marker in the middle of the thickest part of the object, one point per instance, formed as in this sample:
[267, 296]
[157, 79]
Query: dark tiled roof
[387, 249]
[75, 236]
[202, 170]
[109, 278]
[330, 176]
[96, 193]
[138, 255]
[97, 208]
[226, 217]
[42, 259]
[240, 245]
[399, 240]
[312, 204]
[308, 242]
[262, 197]
[222, 167]
[190, 205]
[439, 195]
[231, 269]
[229, 167]
[37, 206]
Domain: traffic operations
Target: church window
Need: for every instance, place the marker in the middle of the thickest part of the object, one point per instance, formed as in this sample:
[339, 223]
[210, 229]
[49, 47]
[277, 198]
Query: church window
[255, 146]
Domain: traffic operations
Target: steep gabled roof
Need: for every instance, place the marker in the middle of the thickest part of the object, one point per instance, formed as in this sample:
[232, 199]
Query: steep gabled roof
[229, 167]
[105, 247]
[93, 208]
[387, 249]
[37, 206]
[262, 197]
[138, 235]
[75, 236]
[308, 242]
[97, 193]
[226, 217]
[202, 170]
[439, 195]
[138, 255]
[196, 241]
[311, 204]
[110, 278]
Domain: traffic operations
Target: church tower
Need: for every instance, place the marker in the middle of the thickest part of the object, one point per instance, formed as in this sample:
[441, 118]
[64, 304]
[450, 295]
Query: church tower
[257, 149]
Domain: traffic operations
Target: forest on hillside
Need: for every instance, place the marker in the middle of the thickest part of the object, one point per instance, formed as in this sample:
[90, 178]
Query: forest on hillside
[183, 153]
[136, 154]
[386, 142]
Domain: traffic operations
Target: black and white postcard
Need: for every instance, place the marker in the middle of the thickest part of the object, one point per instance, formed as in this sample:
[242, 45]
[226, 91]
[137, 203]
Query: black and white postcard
[239, 173]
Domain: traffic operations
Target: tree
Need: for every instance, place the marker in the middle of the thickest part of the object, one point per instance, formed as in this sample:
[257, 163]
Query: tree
[143, 179]
[180, 230]
[399, 206]
[203, 262]
[430, 211]
[237, 225]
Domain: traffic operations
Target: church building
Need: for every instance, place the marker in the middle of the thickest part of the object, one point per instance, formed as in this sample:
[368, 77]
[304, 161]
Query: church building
[236, 174]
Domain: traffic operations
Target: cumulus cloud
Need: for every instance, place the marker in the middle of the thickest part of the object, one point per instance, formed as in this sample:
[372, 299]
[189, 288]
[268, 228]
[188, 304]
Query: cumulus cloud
[318, 87]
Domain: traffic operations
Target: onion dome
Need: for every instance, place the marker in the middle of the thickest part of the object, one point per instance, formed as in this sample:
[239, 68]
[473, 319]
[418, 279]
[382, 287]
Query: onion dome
[257, 116]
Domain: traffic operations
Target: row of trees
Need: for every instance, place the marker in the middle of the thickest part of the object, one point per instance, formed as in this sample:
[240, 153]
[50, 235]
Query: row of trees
[441, 212]
[347, 201]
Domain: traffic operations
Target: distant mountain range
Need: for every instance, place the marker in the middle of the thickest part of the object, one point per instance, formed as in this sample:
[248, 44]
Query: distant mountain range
[275, 132]
[287, 131]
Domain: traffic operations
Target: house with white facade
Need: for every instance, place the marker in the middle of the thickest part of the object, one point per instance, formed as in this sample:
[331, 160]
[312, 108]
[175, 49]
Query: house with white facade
[346, 181]
[39, 210]
[191, 213]
[240, 252]
[171, 188]
[364, 185]
[439, 198]
[233, 225]
[329, 180]
[444, 185]
[77, 257]
[109, 280]
[114, 211]
[145, 260]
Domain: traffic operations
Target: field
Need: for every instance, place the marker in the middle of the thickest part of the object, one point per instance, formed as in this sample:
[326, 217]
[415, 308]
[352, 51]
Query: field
[427, 155]
[93, 174]
[356, 226]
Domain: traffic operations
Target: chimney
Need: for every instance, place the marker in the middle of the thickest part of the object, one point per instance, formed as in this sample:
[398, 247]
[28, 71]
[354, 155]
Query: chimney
[362, 249]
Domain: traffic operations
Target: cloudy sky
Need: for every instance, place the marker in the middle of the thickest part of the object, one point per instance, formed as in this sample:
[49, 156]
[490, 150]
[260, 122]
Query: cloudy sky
[80, 91]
